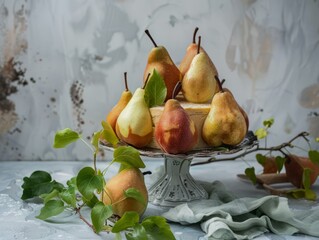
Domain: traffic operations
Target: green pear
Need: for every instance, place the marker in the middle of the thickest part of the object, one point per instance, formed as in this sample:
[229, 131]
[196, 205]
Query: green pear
[113, 193]
[134, 124]
[160, 60]
[224, 124]
[121, 104]
[199, 84]
[175, 132]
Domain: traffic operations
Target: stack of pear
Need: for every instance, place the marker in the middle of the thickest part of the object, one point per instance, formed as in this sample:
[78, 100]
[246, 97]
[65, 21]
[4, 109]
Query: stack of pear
[175, 132]
[160, 60]
[134, 124]
[198, 84]
[121, 104]
[113, 193]
[225, 123]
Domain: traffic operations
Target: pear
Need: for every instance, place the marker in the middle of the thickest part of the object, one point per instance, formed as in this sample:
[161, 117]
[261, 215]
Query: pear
[175, 131]
[114, 192]
[134, 124]
[121, 104]
[295, 165]
[160, 60]
[198, 84]
[240, 108]
[224, 124]
[191, 51]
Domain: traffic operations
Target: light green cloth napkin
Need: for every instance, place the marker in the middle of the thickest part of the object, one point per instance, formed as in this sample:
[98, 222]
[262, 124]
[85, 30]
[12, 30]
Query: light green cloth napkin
[223, 216]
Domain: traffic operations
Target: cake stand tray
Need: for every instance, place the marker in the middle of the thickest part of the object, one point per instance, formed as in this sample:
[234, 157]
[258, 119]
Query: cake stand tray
[177, 185]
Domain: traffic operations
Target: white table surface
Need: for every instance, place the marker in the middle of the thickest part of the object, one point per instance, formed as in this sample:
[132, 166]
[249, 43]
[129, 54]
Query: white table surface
[17, 218]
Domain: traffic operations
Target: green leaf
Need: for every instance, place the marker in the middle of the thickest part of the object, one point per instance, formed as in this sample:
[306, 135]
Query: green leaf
[310, 195]
[250, 173]
[296, 193]
[280, 161]
[49, 196]
[128, 156]
[261, 159]
[314, 156]
[108, 134]
[136, 194]
[99, 214]
[51, 208]
[91, 202]
[157, 228]
[129, 219]
[138, 233]
[65, 137]
[317, 139]
[39, 182]
[261, 133]
[95, 140]
[68, 196]
[268, 122]
[155, 90]
[88, 182]
[72, 182]
[306, 182]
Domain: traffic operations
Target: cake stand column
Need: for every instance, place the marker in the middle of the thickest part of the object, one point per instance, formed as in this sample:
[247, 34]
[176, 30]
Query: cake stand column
[177, 185]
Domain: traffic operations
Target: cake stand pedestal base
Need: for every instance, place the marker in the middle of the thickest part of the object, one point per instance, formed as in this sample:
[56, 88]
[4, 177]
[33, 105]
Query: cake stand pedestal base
[177, 185]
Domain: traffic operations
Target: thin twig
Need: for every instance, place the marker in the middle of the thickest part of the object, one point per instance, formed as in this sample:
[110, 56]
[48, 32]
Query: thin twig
[78, 211]
[274, 148]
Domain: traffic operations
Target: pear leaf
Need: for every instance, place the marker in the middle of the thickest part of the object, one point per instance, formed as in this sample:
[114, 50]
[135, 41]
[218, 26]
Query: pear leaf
[306, 178]
[128, 157]
[268, 122]
[261, 159]
[88, 182]
[138, 233]
[261, 133]
[317, 139]
[155, 90]
[68, 196]
[95, 140]
[250, 173]
[314, 156]
[310, 195]
[157, 228]
[108, 133]
[280, 162]
[99, 214]
[39, 182]
[129, 219]
[136, 194]
[64, 137]
[50, 209]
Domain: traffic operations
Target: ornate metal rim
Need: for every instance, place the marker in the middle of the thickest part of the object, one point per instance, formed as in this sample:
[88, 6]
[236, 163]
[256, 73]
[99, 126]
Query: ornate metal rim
[249, 142]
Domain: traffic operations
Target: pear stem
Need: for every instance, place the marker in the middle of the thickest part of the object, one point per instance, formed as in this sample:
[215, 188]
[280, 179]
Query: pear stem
[198, 46]
[125, 81]
[194, 35]
[219, 83]
[150, 36]
[146, 80]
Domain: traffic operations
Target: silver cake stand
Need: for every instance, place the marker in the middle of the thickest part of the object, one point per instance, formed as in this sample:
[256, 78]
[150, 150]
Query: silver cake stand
[177, 185]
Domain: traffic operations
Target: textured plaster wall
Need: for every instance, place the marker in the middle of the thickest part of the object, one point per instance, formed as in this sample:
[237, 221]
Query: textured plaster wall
[62, 63]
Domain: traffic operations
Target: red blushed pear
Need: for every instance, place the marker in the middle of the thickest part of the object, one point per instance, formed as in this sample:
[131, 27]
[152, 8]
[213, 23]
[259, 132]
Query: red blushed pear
[121, 104]
[160, 60]
[175, 132]
[295, 166]
[134, 124]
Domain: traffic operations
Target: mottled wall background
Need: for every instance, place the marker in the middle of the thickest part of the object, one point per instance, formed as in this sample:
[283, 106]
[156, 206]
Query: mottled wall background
[62, 63]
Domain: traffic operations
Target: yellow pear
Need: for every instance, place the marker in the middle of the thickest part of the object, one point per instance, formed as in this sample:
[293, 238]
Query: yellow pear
[224, 124]
[114, 192]
[121, 104]
[134, 124]
[160, 60]
[191, 51]
[175, 132]
[198, 84]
